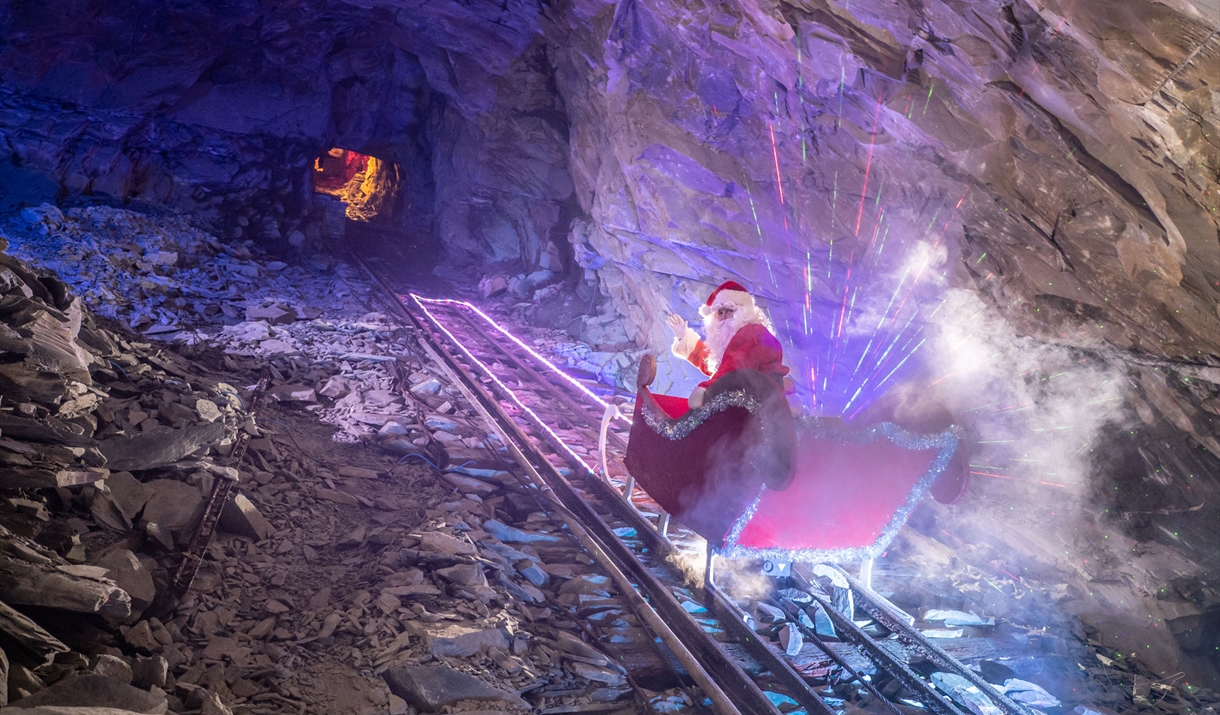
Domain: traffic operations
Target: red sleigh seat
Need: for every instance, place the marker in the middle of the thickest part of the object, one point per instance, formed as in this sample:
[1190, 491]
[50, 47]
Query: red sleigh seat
[756, 482]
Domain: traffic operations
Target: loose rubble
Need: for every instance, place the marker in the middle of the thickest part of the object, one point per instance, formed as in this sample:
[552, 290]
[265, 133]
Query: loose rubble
[335, 563]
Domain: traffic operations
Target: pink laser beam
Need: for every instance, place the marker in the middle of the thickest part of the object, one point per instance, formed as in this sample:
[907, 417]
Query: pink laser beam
[869, 165]
[775, 153]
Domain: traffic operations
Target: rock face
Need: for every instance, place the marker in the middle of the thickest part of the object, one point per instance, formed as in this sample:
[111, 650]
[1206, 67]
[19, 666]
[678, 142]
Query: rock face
[1064, 142]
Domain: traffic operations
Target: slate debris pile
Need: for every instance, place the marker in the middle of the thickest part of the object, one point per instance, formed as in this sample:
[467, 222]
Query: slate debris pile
[170, 280]
[382, 568]
[108, 448]
[1017, 625]
[162, 274]
[492, 582]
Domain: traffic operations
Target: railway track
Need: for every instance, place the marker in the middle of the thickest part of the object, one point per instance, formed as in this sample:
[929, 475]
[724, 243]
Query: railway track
[746, 658]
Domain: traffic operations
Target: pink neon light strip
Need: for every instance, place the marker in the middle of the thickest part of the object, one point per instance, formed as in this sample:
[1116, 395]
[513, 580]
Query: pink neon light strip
[522, 405]
[576, 383]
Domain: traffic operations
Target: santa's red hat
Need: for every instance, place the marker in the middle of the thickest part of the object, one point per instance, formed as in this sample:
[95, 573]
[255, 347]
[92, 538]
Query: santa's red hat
[729, 293]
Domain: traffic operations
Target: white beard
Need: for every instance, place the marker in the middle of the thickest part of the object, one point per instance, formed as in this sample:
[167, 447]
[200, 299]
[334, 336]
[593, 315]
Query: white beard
[720, 332]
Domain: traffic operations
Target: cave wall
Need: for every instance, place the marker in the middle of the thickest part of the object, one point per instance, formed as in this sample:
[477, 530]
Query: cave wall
[220, 109]
[1059, 160]
[1083, 145]
[216, 108]
[1069, 151]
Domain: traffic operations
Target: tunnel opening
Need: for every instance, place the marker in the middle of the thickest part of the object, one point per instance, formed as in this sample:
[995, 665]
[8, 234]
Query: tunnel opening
[367, 185]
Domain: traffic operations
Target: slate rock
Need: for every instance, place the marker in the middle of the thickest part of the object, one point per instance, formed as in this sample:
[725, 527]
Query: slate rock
[587, 584]
[511, 534]
[337, 497]
[464, 574]
[462, 641]
[112, 666]
[427, 387]
[419, 592]
[791, 639]
[534, 574]
[335, 387]
[158, 449]
[431, 688]
[292, 393]
[150, 672]
[445, 544]
[273, 314]
[37, 478]
[30, 430]
[358, 472]
[207, 410]
[106, 512]
[140, 637]
[240, 516]
[127, 493]
[172, 504]
[160, 535]
[597, 673]
[470, 485]
[124, 568]
[100, 692]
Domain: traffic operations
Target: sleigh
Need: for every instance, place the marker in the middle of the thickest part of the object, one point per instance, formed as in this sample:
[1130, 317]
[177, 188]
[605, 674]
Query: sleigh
[758, 482]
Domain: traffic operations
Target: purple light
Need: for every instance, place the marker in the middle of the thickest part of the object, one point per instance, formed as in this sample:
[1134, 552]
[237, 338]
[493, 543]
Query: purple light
[576, 383]
[420, 301]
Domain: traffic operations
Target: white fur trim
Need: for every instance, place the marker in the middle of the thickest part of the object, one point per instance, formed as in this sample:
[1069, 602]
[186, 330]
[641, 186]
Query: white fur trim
[734, 298]
[686, 344]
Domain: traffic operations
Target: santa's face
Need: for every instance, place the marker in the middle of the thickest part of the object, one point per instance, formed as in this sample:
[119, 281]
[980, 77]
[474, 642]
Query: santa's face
[721, 325]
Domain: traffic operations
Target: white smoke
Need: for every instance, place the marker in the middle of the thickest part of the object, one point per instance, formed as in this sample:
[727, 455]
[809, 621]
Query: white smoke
[1034, 409]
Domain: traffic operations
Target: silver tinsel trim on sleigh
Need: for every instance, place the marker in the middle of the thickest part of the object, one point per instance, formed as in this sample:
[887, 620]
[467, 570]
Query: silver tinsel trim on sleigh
[676, 429]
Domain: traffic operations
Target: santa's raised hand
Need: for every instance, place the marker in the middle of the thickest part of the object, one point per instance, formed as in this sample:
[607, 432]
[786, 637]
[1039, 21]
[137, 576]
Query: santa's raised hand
[677, 324]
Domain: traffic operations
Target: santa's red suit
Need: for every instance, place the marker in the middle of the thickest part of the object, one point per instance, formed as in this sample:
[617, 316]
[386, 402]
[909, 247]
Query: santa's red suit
[706, 467]
[742, 340]
[752, 347]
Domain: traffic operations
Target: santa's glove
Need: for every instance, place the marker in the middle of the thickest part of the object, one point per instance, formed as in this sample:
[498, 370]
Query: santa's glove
[696, 397]
[678, 325]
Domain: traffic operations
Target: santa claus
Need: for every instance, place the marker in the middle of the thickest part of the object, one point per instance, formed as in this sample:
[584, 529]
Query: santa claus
[704, 459]
[739, 336]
